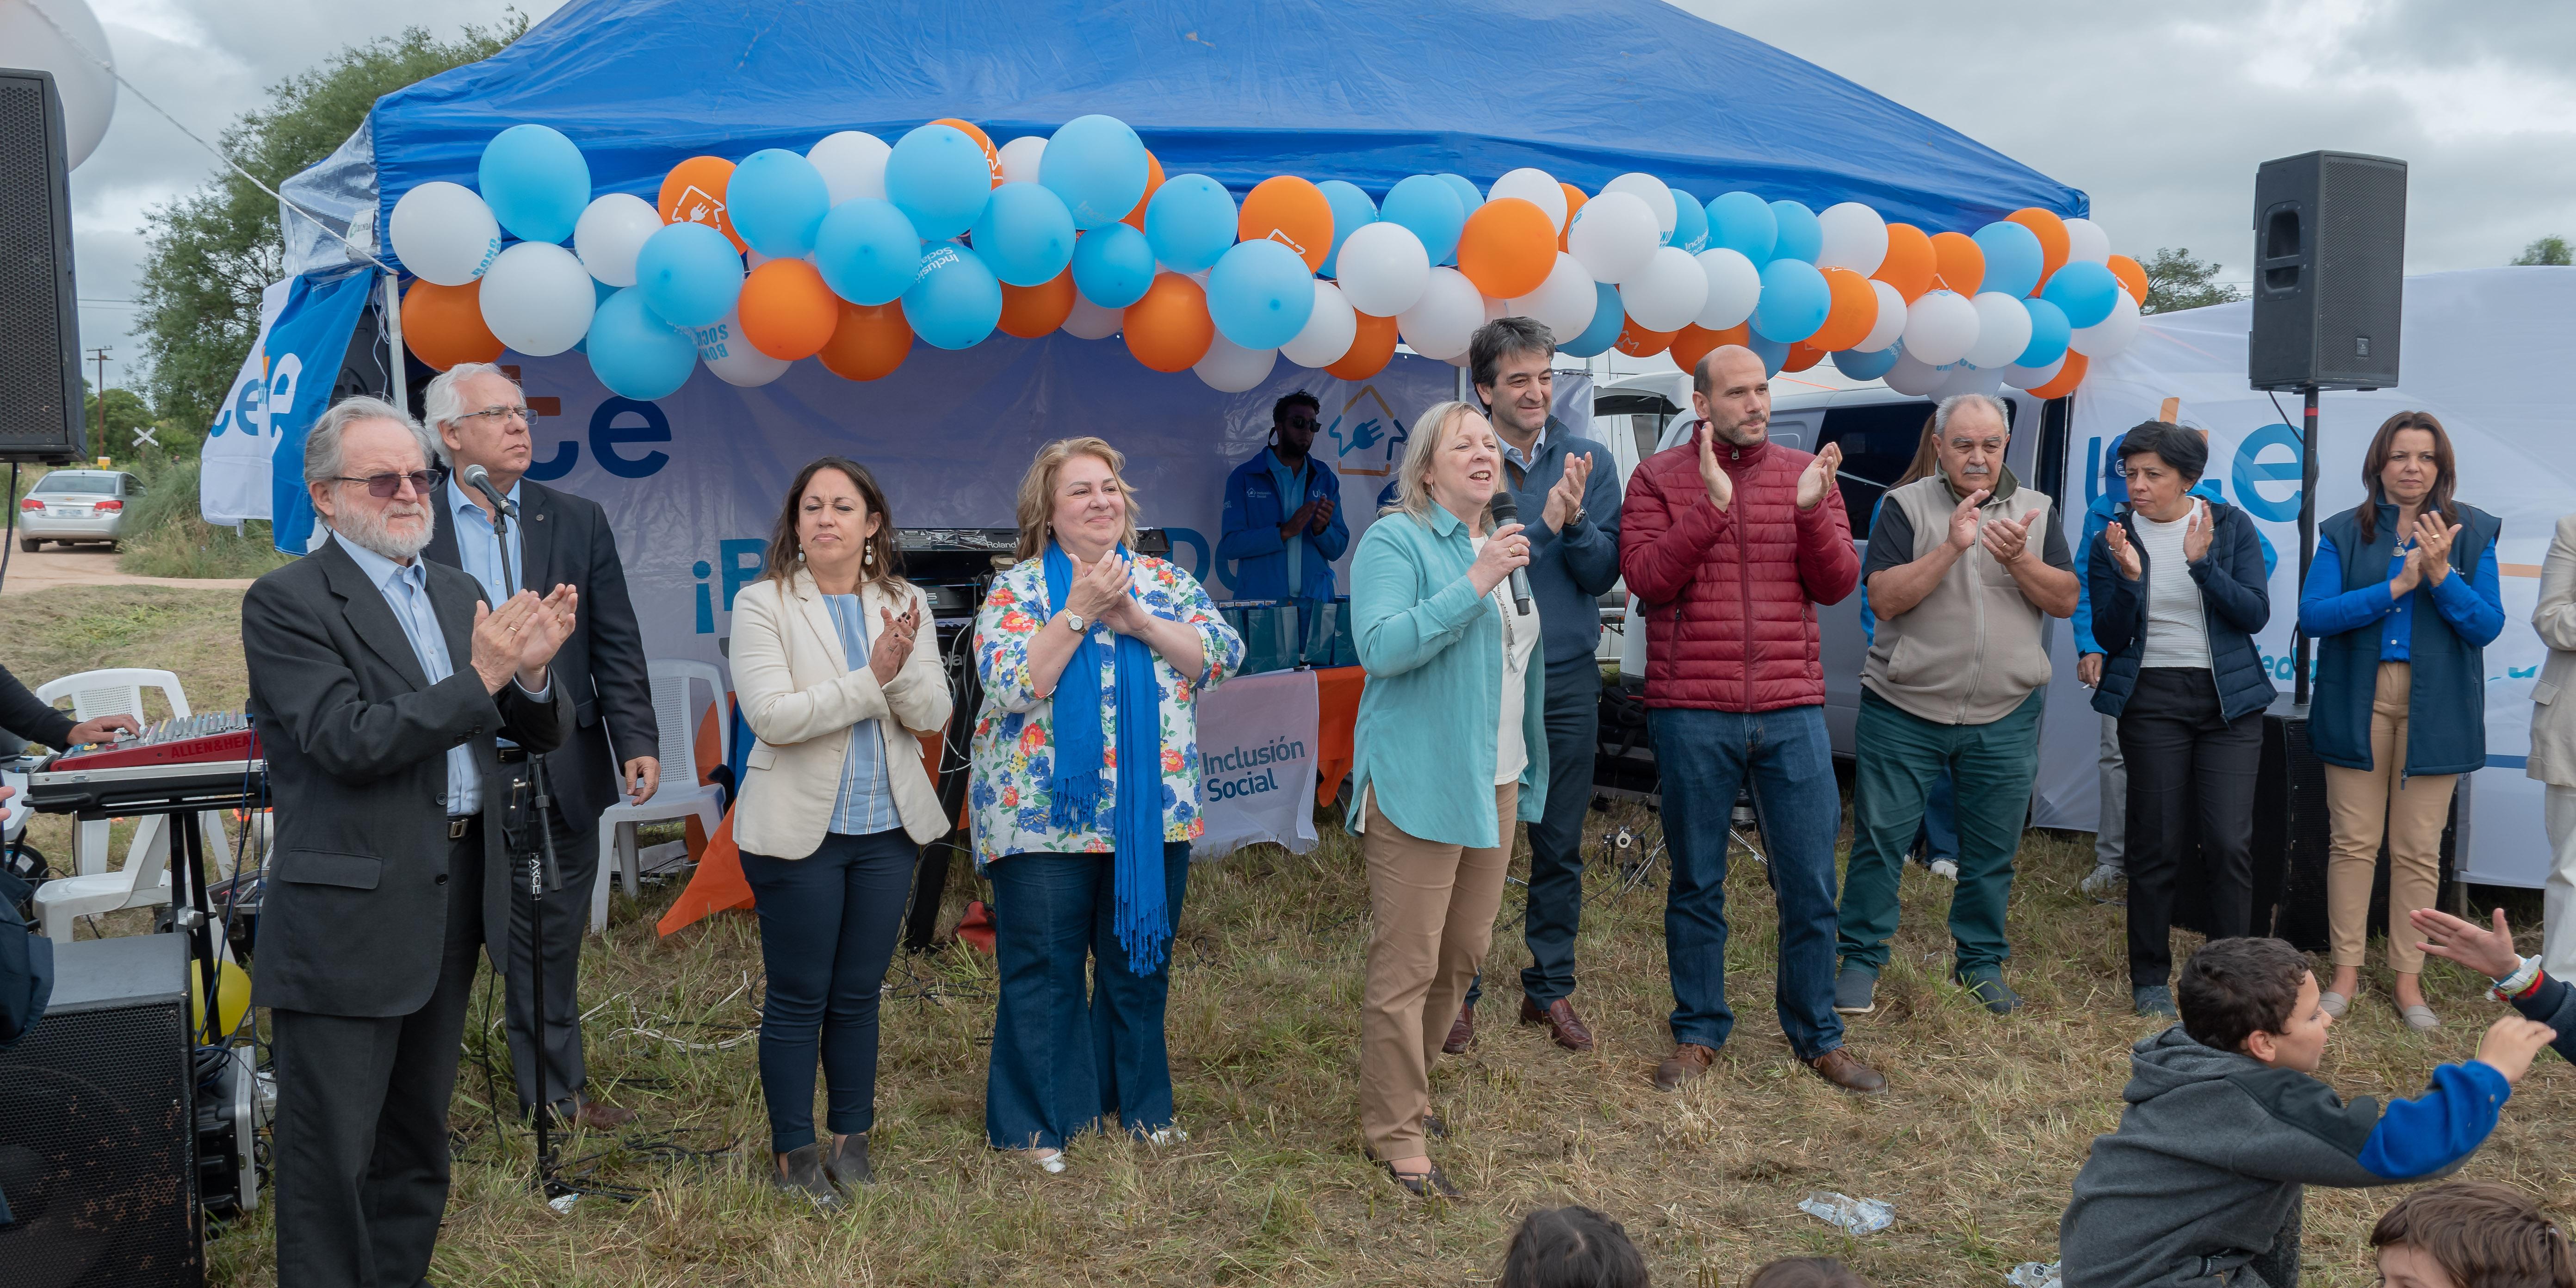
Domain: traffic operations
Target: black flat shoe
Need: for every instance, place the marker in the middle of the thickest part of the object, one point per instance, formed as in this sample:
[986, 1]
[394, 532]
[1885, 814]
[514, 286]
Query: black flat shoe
[1431, 1184]
[1434, 1127]
[803, 1177]
[847, 1164]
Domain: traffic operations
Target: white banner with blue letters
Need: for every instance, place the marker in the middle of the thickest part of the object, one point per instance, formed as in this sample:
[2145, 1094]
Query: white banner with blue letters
[1257, 763]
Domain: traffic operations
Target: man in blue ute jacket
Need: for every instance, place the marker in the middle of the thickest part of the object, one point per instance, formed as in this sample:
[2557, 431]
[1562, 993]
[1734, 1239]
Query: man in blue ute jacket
[1283, 525]
[1568, 491]
[2110, 837]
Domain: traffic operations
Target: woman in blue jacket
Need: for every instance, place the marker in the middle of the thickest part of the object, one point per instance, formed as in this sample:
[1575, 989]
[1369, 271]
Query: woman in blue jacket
[2403, 601]
[2177, 584]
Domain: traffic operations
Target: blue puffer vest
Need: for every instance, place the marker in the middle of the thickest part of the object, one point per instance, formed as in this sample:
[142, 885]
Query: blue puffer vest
[2446, 714]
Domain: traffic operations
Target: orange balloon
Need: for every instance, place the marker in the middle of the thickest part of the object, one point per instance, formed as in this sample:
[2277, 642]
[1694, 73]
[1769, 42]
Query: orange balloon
[1507, 248]
[1153, 179]
[443, 325]
[2053, 243]
[1909, 266]
[2133, 279]
[1291, 212]
[1169, 329]
[787, 311]
[1372, 347]
[1031, 311]
[2067, 377]
[1961, 261]
[1640, 343]
[694, 193]
[1692, 343]
[992, 156]
[1802, 355]
[1854, 312]
[869, 342]
[1574, 200]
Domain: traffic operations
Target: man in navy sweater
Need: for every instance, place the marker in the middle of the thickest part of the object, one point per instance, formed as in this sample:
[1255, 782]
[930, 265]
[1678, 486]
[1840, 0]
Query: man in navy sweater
[1568, 490]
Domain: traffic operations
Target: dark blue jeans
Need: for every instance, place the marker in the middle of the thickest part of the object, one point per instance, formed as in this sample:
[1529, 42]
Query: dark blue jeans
[828, 924]
[1703, 758]
[1555, 912]
[1063, 1063]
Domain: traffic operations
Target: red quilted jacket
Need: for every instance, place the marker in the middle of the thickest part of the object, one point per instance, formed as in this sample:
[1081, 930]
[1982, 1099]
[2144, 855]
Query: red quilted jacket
[1730, 599]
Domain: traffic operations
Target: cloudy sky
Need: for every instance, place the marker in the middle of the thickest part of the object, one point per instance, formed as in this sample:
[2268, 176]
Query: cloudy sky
[2161, 114]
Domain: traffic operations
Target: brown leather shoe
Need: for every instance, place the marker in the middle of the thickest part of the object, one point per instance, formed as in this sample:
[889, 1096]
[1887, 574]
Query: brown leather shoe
[1462, 1032]
[1562, 1023]
[1843, 1069]
[599, 1115]
[1687, 1063]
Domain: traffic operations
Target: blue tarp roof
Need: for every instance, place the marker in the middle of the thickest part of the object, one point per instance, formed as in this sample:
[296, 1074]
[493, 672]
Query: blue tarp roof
[1368, 91]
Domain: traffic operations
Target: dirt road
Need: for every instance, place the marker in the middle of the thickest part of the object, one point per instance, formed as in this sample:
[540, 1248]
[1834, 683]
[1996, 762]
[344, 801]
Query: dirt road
[88, 566]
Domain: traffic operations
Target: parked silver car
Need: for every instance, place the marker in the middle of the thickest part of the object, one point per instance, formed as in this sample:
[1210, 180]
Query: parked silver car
[73, 506]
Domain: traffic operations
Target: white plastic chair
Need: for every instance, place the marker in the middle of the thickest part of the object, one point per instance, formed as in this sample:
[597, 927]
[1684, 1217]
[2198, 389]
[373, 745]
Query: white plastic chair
[143, 882]
[120, 692]
[680, 795]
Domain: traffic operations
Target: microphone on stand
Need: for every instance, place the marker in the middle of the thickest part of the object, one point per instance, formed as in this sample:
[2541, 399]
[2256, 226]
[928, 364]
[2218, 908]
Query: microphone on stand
[1507, 509]
[480, 479]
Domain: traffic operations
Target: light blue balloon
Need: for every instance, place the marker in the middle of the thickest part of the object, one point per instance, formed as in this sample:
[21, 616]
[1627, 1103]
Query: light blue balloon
[1794, 302]
[1260, 294]
[689, 273]
[1113, 265]
[2050, 329]
[1867, 366]
[2085, 291]
[867, 251]
[1025, 234]
[1189, 223]
[1608, 318]
[634, 351]
[1469, 195]
[1351, 208]
[1774, 354]
[1745, 224]
[1097, 167]
[535, 181]
[956, 301]
[777, 200]
[1801, 237]
[1690, 223]
[599, 293]
[939, 179]
[1431, 210]
[2014, 260]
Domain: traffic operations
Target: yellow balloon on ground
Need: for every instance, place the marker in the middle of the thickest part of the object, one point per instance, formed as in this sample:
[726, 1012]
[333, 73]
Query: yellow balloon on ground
[232, 997]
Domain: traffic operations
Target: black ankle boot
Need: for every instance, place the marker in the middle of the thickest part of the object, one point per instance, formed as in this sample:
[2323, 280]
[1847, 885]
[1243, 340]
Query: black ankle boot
[803, 1176]
[847, 1164]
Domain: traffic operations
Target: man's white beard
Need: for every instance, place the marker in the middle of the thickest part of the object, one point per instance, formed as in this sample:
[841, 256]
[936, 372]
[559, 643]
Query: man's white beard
[374, 532]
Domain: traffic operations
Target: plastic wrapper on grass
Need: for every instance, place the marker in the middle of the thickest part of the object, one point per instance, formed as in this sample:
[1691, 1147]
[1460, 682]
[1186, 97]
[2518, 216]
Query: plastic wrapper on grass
[1855, 1216]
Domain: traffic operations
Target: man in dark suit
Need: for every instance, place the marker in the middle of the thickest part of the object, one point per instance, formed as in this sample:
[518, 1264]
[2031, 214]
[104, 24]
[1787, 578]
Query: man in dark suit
[479, 417]
[379, 683]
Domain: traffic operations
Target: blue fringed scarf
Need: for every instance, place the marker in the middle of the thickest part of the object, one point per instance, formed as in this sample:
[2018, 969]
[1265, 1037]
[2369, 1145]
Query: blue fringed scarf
[1144, 924]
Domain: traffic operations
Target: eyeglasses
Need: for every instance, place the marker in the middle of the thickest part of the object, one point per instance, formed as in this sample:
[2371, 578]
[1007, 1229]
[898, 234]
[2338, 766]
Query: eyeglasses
[500, 416]
[384, 486]
[1301, 422]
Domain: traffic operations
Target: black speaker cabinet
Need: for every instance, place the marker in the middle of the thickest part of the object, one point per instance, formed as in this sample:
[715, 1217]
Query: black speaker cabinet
[98, 1127]
[2329, 271]
[40, 385]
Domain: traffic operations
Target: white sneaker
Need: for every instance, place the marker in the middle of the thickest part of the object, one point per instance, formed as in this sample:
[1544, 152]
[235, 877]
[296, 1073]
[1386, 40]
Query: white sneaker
[1049, 1161]
[1167, 1136]
[1945, 869]
[2105, 882]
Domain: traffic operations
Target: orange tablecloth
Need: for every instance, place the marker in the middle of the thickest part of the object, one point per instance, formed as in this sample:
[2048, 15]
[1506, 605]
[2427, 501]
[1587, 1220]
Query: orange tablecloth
[1337, 711]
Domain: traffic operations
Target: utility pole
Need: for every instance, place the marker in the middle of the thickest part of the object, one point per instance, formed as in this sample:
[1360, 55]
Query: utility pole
[100, 356]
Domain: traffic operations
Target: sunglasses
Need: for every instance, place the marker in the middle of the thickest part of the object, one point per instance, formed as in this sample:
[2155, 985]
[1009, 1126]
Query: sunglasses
[1301, 422]
[384, 486]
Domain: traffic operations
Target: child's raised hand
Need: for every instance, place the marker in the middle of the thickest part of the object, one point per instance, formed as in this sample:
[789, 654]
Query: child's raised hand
[2511, 1042]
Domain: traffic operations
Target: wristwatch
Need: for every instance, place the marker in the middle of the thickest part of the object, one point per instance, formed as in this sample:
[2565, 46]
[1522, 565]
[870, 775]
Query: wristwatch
[1074, 620]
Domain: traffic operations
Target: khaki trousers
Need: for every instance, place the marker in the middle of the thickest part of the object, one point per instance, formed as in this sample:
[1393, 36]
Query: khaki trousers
[2366, 804]
[1432, 909]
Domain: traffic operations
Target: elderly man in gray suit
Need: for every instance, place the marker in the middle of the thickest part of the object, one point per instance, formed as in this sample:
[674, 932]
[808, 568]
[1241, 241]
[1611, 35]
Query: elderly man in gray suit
[379, 683]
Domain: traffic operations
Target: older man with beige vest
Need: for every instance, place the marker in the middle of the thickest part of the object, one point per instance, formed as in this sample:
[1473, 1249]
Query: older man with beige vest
[2553, 746]
[1964, 568]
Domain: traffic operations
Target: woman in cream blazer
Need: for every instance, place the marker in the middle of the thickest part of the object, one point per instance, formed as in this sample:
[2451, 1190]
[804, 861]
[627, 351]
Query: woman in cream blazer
[2553, 746]
[833, 675]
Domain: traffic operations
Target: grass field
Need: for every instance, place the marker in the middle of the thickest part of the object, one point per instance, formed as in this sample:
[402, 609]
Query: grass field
[1987, 1122]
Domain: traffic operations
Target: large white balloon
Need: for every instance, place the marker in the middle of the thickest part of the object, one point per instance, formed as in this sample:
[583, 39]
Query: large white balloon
[1328, 332]
[1537, 187]
[1020, 158]
[1668, 294]
[88, 90]
[1383, 268]
[2111, 334]
[1440, 324]
[1654, 192]
[1939, 328]
[2086, 242]
[537, 299]
[611, 230]
[1231, 368]
[1890, 326]
[2003, 330]
[1969, 378]
[853, 163]
[444, 233]
[1565, 302]
[1855, 238]
[1092, 322]
[1734, 287]
[1912, 376]
[2033, 377]
[731, 357]
[1613, 235]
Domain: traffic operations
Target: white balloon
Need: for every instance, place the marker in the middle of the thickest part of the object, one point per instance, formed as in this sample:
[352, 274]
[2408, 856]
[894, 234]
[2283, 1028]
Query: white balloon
[1565, 302]
[1734, 287]
[1020, 158]
[2111, 334]
[1328, 332]
[1657, 195]
[1440, 324]
[2033, 377]
[1537, 187]
[444, 233]
[2003, 330]
[731, 357]
[1383, 268]
[1496, 310]
[72, 54]
[1092, 322]
[1969, 378]
[1939, 328]
[1890, 326]
[1855, 238]
[611, 230]
[1669, 294]
[537, 299]
[853, 163]
[1613, 235]
[1231, 368]
[2086, 242]
[1912, 376]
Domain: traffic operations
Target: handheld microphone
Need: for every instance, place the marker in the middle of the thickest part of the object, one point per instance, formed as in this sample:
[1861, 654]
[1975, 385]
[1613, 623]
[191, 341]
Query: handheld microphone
[1507, 509]
[480, 479]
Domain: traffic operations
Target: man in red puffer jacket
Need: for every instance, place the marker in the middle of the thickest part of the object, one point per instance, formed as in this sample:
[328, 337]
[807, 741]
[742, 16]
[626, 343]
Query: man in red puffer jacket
[1730, 541]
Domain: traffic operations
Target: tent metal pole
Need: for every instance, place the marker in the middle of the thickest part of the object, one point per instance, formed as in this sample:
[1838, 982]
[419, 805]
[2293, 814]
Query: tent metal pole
[2307, 536]
[394, 343]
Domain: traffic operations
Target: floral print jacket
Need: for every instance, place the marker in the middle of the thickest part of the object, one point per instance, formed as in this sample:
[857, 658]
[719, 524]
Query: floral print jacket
[1014, 745]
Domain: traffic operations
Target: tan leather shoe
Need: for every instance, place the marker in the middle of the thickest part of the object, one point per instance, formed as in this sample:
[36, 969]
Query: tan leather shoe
[1687, 1063]
[1843, 1069]
[599, 1115]
[1462, 1032]
[1562, 1023]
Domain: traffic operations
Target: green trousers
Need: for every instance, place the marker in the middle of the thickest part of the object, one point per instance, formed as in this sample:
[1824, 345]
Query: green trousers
[1901, 757]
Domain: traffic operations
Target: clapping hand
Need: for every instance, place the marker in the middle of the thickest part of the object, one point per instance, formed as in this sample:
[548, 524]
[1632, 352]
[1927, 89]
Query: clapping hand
[1963, 521]
[2007, 539]
[1565, 500]
[1097, 588]
[1721, 489]
[2408, 576]
[2435, 541]
[2196, 533]
[1323, 517]
[2124, 553]
[520, 637]
[1299, 519]
[1816, 482]
[893, 643]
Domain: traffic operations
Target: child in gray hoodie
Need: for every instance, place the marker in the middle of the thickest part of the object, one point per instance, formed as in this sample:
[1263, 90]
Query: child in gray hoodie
[2200, 1186]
